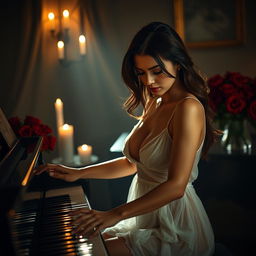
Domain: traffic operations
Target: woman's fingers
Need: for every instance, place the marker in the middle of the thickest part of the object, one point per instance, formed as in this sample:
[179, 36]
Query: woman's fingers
[56, 171]
[57, 175]
[81, 218]
[86, 222]
[87, 227]
[42, 168]
[80, 211]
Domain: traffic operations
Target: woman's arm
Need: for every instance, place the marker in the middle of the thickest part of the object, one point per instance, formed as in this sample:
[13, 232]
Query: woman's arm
[115, 168]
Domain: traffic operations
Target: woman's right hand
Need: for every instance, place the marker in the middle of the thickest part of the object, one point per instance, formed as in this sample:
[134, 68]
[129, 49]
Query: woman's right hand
[59, 172]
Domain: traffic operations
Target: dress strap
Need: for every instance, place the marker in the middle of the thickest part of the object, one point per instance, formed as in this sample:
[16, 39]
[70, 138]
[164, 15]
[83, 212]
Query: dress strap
[188, 97]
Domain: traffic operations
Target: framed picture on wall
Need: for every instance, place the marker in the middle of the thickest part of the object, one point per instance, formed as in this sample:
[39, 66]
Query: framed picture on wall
[203, 23]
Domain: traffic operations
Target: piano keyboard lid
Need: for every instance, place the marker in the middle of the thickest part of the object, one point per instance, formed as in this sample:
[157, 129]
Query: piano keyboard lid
[16, 169]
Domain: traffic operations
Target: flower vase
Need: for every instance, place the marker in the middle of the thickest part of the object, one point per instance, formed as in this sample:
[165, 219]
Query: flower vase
[236, 138]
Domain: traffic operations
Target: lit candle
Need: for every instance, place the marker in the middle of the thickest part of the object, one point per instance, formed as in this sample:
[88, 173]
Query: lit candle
[51, 17]
[65, 19]
[82, 44]
[59, 112]
[61, 46]
[66, 143]
[85, 152]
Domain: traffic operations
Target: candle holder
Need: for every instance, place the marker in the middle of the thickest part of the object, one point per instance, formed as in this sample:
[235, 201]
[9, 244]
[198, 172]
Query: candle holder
[67, 28]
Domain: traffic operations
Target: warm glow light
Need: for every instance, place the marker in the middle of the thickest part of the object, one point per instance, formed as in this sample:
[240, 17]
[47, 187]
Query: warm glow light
[51, 16]
[66, 13]
[61, 53]
[85, 153]
[84, 147]
[60, 44]
[59, 112]
[65, 127]
[58, 101]
[82, 44]
[81, 38]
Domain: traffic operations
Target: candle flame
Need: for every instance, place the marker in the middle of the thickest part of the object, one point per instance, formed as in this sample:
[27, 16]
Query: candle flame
[65, 13]
[84, 147]
[65, 126]
[60, 44]
[58, 101]
[51, 16]
[82, 39]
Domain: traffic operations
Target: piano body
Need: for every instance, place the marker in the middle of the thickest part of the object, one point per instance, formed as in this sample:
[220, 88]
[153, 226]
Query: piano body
[34, 220]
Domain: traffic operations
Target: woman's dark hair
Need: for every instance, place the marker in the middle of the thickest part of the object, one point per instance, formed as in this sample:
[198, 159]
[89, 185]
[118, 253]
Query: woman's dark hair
[160, 41]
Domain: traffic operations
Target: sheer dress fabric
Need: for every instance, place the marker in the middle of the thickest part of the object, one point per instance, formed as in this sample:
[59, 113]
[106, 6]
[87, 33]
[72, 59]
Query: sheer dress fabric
[180, 228]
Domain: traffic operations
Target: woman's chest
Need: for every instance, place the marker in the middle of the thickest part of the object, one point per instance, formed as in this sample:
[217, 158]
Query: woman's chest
[147, 130]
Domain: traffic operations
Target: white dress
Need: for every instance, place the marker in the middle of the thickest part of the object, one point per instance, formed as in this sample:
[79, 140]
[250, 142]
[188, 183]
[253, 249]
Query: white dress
[180, 228]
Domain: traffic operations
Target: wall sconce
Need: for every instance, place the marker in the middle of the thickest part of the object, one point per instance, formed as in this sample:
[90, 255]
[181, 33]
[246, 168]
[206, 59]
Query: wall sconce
[61, 26]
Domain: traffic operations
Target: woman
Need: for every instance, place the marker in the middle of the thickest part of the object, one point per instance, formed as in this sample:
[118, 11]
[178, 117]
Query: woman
[163, 215]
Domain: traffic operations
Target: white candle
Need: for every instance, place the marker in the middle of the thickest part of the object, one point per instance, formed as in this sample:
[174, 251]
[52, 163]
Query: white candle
[61, 46]
[51, 17]
[66, 21]
[82, 44]
[85, 152]
[59, 112]
[66, 143]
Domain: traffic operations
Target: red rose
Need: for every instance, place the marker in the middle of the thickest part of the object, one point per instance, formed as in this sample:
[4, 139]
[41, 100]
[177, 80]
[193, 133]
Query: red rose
[252, 110]
[37, 130]
[228, 89]
[45, 129]
[248, 91]
[215, 81]
[25, 131]
[30, 120]
[48, 143]
[41, 130]
[237, 79]
[235, 104]
[44, 143]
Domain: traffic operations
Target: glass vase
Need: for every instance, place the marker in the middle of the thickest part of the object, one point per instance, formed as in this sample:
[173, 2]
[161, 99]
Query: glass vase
[236, 138]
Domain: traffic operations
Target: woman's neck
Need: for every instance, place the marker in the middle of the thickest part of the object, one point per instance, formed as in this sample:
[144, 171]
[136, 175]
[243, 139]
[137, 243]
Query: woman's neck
[173, 94]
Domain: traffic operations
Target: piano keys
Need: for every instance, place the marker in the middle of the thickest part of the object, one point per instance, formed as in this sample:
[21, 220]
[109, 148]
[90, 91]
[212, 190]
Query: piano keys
[37, 222]
[43, 225]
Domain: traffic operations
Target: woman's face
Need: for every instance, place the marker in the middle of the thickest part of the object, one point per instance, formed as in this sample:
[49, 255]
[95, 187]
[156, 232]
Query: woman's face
[151, 74]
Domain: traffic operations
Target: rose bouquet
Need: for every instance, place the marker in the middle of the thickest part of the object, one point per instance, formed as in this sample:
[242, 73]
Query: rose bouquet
[32, 126]
[233, 100]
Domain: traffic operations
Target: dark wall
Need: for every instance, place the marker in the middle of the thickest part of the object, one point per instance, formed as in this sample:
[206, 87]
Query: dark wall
[93, 92]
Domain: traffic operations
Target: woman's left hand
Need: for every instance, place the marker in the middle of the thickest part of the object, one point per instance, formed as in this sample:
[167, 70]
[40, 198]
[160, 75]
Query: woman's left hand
[90, 222]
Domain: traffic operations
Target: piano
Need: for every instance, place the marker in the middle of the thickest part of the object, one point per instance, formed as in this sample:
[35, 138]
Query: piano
[34, 220]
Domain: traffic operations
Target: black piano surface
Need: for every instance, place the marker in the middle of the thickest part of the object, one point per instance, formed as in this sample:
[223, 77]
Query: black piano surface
[34, 216]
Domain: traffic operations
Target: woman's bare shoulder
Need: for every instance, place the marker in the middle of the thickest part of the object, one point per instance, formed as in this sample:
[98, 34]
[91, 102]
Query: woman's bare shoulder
[189, 112]
[190, 105]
